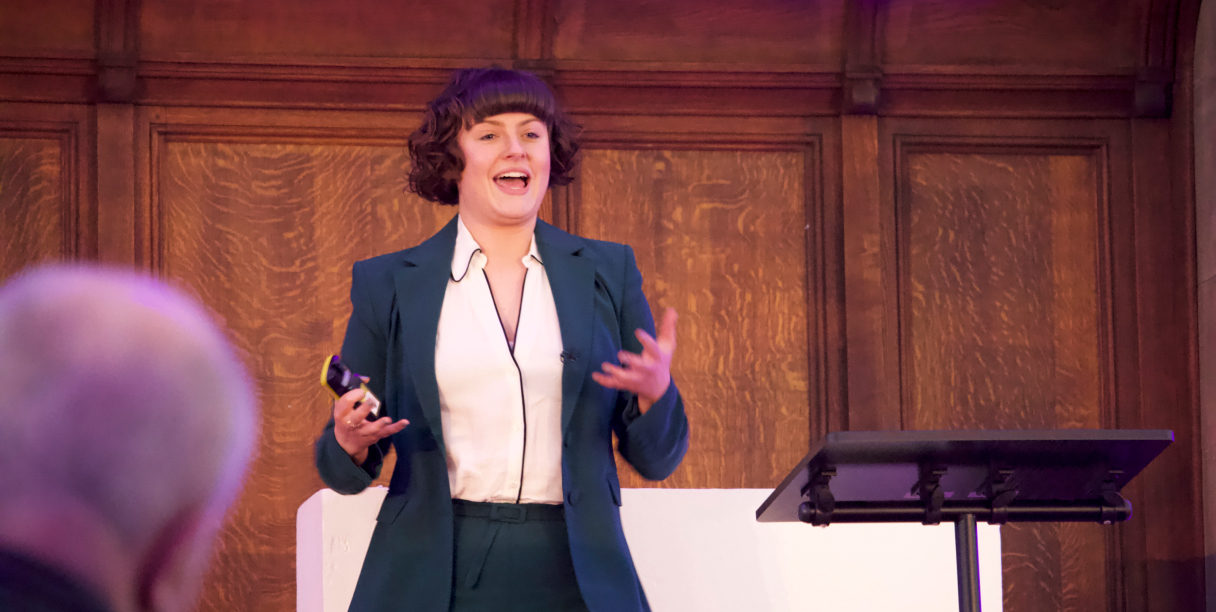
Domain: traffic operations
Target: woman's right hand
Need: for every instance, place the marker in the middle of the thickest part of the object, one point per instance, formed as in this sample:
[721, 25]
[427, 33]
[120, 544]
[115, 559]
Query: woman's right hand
[354, 432]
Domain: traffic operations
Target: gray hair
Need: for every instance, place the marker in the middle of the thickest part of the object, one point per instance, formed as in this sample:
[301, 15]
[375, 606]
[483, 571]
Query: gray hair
[122, 393]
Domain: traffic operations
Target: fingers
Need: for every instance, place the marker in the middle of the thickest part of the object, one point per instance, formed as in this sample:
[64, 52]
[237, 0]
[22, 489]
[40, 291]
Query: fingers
[615, 371]
[648, 342]
[667, 327]
[616, 377]
[380, 428]
[647, 374]
[666, 341]
[395, 427]
[345, 404]
[361, 411]
[350, 418]
[612, 382]
[354, 433]
[361, 433]
[632, 360]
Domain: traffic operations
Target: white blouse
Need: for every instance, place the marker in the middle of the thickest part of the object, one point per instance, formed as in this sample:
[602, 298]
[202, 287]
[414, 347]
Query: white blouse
[501, 406]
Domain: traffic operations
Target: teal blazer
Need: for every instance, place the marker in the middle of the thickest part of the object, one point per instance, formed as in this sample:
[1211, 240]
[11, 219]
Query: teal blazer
[597, 289]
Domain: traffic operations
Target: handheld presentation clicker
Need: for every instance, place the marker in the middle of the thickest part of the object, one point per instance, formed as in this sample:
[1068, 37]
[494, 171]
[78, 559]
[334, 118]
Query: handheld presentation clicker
[340, 380]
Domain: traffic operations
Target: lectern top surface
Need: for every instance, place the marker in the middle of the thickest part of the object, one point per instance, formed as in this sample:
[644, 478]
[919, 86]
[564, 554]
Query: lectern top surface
[1052, 464]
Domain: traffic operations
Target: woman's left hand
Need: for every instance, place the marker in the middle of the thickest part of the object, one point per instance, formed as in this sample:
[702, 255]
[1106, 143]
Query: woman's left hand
[646, 375]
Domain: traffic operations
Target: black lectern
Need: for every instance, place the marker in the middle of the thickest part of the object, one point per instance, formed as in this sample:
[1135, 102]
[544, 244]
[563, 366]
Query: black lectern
[960, 476]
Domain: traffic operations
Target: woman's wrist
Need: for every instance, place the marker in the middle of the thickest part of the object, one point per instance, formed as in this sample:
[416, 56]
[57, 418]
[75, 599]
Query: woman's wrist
[356, 455]
[644, 404]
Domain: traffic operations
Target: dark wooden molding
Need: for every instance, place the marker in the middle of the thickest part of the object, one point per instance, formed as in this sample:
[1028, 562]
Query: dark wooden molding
[1155, 77]
[704, 133]
[533, 30]
[115, 182]
[1008, 94]
[540, 67]
[862, 63]
[117, 33]
[592, 87]
[870, 326]
[1161, 35]
[824, 347]
[117, 80]
[860, 83]
[42, 79]
[1154, 93]
[862, 90]
[117, 26]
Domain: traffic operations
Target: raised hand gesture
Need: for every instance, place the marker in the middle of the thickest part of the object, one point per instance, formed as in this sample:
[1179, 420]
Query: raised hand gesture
[354, 432]
[647, 374]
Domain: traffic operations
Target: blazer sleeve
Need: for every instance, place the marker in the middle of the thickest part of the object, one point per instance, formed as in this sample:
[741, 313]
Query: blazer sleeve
[654, 443]
[365, 351]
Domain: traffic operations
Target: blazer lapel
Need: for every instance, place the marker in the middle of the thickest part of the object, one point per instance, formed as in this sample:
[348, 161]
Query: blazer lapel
[420, 287]
[572, 280]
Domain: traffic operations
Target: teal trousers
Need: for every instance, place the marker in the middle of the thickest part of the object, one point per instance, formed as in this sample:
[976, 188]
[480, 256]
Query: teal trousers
[513, 558]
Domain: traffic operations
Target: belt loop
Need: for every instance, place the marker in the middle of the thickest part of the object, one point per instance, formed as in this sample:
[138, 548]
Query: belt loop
[508, 513]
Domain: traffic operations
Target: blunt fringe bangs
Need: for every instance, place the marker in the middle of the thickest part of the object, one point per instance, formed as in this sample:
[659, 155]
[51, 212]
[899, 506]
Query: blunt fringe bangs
[471, 96]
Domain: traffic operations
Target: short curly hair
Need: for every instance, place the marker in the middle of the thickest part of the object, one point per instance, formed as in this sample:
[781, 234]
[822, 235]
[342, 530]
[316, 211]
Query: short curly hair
[472, 95]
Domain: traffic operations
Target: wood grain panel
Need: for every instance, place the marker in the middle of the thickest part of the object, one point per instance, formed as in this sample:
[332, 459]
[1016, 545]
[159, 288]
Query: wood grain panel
[116, 183]
[63, 28]
[871, 324]
[1051, 35]
[1002, 287]
[34, 217]
[1204, 173]
[1166, 300]
[1205, 152]
[1000, 306]
[720, 237]
[774, 31]
[265, 234]
[300, 29]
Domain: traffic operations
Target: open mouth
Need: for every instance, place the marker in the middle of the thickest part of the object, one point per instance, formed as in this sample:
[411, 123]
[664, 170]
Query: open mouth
[513, 181]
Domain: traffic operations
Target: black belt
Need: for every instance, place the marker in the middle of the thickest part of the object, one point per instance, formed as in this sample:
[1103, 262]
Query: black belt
[509, 513]
[499, 514]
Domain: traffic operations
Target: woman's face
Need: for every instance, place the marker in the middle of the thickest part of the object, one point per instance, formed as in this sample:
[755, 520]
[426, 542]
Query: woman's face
[506, 169]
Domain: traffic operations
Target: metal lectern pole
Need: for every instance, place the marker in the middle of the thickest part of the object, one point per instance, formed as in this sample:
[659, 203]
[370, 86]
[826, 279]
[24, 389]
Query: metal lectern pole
[966, 553]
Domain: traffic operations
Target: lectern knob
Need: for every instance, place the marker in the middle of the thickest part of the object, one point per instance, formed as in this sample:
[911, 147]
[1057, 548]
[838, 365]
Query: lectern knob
[808, 513]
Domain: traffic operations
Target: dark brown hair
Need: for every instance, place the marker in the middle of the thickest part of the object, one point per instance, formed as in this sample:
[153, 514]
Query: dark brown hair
[472, 95]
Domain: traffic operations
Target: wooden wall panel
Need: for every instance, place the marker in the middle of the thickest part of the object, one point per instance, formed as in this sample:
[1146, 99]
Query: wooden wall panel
[1204, 172]
[1000, 256]
[871, 325]
[265, 235]
[33, 219]
[1091, 35]
[775, 32]
[216, 29]
[39, 28]
[255, 210]
[1001, 329]
[1166, 305]
[46, 211]
[720, 237]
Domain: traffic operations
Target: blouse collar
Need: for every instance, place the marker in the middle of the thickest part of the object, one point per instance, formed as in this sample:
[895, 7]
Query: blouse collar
[468, 254]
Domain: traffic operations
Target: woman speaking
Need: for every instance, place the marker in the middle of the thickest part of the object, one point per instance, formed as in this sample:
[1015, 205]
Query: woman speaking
[507, 353]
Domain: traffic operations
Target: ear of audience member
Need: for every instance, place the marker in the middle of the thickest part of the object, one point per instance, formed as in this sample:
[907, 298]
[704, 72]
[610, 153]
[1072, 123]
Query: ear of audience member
[126, 425]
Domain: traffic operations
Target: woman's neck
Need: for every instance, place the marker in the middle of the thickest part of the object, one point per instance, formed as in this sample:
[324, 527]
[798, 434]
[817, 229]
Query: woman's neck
[502, 243]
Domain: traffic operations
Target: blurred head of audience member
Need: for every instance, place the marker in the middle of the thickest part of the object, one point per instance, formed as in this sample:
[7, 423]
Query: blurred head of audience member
[126, 425]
